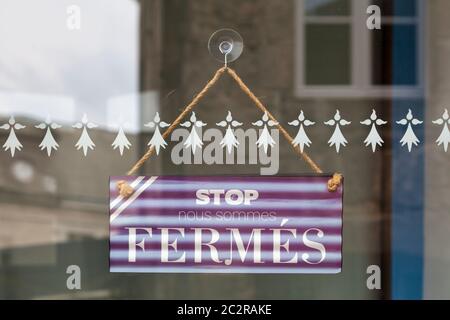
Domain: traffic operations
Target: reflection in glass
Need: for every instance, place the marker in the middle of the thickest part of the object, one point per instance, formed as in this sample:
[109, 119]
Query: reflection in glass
[328, 54]
[403, 55]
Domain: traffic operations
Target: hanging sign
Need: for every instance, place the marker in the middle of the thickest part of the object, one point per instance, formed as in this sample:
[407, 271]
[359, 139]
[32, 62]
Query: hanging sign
[224, 224]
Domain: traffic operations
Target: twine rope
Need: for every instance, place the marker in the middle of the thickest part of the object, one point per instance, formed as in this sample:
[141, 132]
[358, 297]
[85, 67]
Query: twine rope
[125, 190]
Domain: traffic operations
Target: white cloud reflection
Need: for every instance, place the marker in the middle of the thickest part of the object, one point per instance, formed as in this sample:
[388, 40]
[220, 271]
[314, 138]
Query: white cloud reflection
[47, 68]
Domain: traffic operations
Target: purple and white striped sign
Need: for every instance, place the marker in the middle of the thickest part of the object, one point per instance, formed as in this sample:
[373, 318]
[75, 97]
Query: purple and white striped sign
[224, 224]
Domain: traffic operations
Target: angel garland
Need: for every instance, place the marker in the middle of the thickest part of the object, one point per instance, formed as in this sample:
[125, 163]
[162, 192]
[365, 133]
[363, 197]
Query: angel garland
[12, 143]
[301, 139]
[193, 141]
[373, 138]
[157, 141]
[48, 142]
[85, 142]
[229, 140]
[409, 138]
[444, 137]
[265, 139]
[337, 139]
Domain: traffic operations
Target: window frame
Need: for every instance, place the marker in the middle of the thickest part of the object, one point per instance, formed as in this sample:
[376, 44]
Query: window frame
[361, 72]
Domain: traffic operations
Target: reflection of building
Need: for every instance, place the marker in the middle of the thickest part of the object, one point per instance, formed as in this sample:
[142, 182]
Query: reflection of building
[317, 55]
[56, 193]
[52, 203]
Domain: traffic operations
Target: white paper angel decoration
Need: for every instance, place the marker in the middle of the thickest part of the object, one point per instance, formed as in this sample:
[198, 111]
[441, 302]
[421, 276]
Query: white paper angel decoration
[85, 142]
[229, 141]
[409, 138]
[265, 139]
[157, 141]
[444, 137]
[337, 139]
[373, 138]
[301, 139]
[48, 142]
[121, 141]
[193, 141]
[12, 143]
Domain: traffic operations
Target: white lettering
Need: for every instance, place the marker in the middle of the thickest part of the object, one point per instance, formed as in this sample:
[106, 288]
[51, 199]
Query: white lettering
[132, 242]
[314, 245]
[165, 245]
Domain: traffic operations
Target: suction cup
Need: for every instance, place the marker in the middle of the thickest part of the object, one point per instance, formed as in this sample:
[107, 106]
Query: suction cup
[225, 45]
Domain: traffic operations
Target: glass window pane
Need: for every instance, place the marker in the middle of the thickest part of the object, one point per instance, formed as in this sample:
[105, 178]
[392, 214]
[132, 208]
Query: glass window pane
[327, 7]
[328, 53]
[394, 59]
[400, 8]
